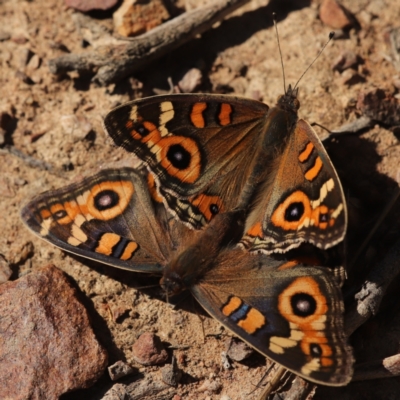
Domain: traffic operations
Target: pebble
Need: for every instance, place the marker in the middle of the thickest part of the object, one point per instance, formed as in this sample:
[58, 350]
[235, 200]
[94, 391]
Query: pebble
[148, 350]
[119, 369]
[237, 350]
[334, 15]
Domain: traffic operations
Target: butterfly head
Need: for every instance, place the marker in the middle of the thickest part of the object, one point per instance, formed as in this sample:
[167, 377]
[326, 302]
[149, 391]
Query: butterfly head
[289, 100]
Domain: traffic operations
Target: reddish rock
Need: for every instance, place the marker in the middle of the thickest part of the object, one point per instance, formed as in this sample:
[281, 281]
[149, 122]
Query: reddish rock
[47, 346]
[148, 350]
[334, 15]
[88, 5]
[135, 17]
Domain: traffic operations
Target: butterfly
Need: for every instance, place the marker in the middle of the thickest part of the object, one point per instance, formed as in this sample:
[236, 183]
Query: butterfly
[227, 184]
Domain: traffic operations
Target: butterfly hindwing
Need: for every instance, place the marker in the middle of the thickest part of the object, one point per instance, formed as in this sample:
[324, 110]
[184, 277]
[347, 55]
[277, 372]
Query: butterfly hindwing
[289, 312]
[108, 217]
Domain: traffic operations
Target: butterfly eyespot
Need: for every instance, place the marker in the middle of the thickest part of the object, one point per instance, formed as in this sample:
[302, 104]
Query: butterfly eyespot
[323, 218]
[141, 129]
[106, 199]
[303, 304]
[315, 350]
[178, 156]
[214, 209]
[60, 214]
[294, 212]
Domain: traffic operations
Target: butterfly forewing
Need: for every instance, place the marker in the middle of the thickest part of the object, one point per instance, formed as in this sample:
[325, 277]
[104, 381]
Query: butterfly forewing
[305, 203]
[289, 312]
[108, 217]
[200, 148]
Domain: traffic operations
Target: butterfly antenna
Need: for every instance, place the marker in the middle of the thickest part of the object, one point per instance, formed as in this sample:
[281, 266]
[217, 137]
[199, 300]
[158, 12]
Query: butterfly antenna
[280, 51]
[331, 35]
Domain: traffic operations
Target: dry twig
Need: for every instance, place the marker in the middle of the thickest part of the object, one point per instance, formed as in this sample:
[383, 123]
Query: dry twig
[113, 63]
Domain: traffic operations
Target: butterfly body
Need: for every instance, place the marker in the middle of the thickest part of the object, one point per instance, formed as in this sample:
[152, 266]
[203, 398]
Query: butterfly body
[228, 183]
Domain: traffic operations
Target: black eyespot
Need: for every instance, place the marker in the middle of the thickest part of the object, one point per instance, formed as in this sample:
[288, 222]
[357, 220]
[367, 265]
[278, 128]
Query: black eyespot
[323, 217]
[315, 350]
[294, 212]
[60, 214]
[214, 209]
[140, 128]
[303, 304]
[106, 199]
[179, 157]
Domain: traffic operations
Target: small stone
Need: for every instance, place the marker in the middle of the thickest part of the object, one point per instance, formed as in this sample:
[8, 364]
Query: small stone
[47, 344]
[21, 253]
[351, 77]
[4, 36]
[190, 81]
[346, 60]
[119, 370]
[135, 17]
[225, 397]
[238, 350]
[148, 350]
[335, 15]
[88, 5]
[225, 361]
[23, 77]
[171, 374]
[5, 270]
[210, 387]
[23, 56]
[177, 397]
[34, 62]
[77, 127]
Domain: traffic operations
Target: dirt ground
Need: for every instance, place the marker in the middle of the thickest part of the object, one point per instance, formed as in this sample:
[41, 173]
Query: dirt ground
[237, 56]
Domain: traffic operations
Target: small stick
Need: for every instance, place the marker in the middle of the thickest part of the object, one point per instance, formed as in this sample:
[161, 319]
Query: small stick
[272, 383]
[385, 368]
[31, 161]
[369, 297]
[115, 62]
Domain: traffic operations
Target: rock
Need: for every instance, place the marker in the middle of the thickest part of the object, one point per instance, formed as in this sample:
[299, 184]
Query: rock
[190, 81]
[5, 270]
[237, 350]
[210, 386]
[346, 60]
[171, 374]
[88, 5]
[139, 389]
[4, 36]
[351, 77]
[119, 370]
[135, 17]
[47, 345]
[148, 350]
[77, 127]
[380, 106]
[335, 15]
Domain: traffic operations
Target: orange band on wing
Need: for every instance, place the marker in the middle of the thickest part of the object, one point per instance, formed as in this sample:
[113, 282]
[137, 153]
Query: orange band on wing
[305, 154]
[225, 114]
[313, 172]
[196, 115]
